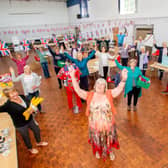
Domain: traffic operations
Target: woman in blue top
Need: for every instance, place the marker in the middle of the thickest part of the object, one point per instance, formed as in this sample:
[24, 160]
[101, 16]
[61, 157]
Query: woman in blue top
[82, 65]
[131, 87]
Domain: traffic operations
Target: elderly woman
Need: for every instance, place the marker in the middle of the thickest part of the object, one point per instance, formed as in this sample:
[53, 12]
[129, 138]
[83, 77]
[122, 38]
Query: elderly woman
[15, 106]
[100, 112]
[143, 60]
[131, 87]
[30, 82]
[20, 62]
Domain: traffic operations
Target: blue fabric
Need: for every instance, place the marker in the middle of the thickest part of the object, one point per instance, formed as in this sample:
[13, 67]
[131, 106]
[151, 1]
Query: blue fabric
[44, 66]
[120, 39]
[82, 65]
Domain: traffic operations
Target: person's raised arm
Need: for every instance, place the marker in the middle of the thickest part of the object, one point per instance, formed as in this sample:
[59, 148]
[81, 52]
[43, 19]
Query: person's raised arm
[155, 45]
[119, 65]
[91, 55]
[81, 93]
[69, 57]
[51, 51]
[14, 78]
[117, 91]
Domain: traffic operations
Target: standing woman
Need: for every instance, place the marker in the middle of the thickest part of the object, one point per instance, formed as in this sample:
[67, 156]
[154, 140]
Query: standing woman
[100, 111]
[143, 60]
[131, 87]
[20, 62]
[103, 61]
[43, 62]
[30, 83]
[81, 63]
[15, 106]
[57, 57]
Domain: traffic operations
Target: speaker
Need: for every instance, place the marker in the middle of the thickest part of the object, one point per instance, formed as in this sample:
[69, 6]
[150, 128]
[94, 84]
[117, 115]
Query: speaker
[78, 16]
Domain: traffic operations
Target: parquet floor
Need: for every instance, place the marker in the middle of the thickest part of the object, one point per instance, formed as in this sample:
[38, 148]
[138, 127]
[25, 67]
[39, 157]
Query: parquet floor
[143, 135]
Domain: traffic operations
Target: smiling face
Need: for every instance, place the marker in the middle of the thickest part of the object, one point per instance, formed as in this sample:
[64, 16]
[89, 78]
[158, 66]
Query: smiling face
[79, 56]
[100, 86]
[18, 56]
[164, 44]
[13, 95]
[103, 49]
[133, 63]
[27, 70]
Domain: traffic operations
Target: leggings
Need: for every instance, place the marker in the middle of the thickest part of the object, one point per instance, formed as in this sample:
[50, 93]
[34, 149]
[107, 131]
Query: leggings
[134, 92]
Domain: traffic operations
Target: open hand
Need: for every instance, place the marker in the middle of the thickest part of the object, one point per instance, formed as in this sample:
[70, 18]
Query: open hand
[11, 69]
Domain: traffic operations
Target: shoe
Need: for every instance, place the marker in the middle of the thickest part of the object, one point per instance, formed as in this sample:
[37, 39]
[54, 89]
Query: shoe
[97, 155]
[42, 144]
[134, 108]
[112, 156]
[129, 108]
[165, 92]
[33, 151]
[42, 112]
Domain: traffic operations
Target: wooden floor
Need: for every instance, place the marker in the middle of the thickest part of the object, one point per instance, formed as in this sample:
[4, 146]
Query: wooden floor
[143, 135]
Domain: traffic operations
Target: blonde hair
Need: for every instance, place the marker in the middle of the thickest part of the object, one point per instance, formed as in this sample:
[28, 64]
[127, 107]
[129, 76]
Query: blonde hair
[101, 81]
[7, 91]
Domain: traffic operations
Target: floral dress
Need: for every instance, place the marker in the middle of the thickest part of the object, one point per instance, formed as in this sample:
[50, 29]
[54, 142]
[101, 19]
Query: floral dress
[102, 129]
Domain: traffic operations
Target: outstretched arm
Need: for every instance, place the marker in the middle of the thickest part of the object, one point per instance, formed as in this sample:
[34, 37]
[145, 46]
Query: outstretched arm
[117, 91]
[91, 55]
[119, 65]
[69, 57]
[14, 78]
[81, 93]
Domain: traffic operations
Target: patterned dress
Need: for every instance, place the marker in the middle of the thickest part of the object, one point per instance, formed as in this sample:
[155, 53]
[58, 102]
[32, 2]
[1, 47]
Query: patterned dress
[102, 129]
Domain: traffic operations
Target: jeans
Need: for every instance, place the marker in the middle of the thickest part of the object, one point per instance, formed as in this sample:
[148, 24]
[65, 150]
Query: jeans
[44, 66]
[25, 133]
[34, 94]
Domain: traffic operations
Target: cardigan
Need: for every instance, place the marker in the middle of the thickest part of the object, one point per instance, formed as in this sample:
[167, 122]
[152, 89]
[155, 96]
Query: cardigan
[82, 65]
[131, 75]
[16, 112]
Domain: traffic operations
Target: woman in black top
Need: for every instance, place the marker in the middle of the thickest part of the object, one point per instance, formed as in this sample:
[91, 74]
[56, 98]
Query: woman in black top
[15, 106]
[57, 56]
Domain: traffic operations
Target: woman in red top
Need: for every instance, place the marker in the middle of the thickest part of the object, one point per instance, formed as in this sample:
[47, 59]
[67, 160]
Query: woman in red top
[20, 62]
[100, 112]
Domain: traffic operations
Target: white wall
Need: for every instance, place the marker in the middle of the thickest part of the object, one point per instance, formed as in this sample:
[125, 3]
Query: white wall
[20, 15]
[148, 12]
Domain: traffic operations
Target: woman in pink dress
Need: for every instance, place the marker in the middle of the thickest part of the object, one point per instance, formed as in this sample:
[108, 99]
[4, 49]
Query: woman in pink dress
[100, 111]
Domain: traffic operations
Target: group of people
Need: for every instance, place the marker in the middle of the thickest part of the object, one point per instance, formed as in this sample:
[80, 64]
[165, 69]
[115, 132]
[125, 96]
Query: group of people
[72, 72]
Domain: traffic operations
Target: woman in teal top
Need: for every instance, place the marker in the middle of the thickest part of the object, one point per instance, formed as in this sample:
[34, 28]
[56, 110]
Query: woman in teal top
[131, 87]
[82, 65]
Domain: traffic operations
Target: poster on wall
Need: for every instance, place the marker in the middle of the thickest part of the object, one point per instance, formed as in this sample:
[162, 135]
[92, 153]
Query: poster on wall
[84, 8]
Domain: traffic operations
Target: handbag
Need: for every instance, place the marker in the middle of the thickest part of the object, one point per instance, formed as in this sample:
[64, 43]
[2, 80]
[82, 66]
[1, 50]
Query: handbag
[143, 82]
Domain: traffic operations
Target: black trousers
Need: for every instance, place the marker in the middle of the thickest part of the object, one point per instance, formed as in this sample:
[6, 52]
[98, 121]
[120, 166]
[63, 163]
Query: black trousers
[124, 61]
[84, 83]
[105, 71]
[134, 92]
[161, 74]
[143, 72]
[24, 131]
[59, 80]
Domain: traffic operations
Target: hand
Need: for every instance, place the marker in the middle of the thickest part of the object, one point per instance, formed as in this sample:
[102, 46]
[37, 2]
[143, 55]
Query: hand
[124, 75]
[147, 53]
[34, 87]
[11, 69]
[71, 71]
[154, 41]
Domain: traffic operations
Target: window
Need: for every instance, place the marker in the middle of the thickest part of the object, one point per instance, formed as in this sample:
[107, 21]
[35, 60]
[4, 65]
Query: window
[127, 6]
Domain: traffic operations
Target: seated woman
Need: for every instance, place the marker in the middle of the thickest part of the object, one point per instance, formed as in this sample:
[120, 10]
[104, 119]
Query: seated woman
[100, 112]
[15, 106]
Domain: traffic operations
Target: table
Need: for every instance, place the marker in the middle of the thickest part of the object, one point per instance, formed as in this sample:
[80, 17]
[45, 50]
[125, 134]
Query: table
[93, 65]
[10, 160]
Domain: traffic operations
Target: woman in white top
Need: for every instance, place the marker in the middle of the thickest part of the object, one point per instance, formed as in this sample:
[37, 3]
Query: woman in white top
[30, 82]
[143, 60]
[103, 61]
